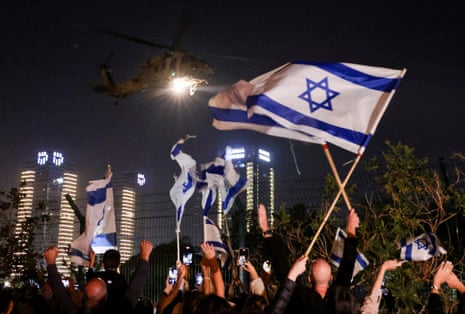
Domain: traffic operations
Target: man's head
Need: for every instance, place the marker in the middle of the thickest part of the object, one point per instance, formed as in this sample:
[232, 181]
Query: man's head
[111, 259]
[95, 293]
[320, 273]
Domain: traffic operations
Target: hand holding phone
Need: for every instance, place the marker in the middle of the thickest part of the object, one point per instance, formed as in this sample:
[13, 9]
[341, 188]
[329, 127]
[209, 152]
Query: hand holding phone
[172, 275]
[243, 256]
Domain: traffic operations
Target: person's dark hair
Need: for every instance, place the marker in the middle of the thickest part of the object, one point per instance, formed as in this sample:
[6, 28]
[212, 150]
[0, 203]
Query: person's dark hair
[254, 304]
[191, 300]
[213, 304]
[143, 306]
[111, 259]
[341, 301]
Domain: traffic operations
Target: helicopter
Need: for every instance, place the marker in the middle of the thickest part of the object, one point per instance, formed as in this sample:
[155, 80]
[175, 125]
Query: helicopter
[175, 68]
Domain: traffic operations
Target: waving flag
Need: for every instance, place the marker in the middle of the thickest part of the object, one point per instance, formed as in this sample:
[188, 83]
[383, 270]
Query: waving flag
[233, 185]
[340, 103]
[213, 237]
[338, 250]
[184, 185]
[100, 231]
[421, 248]
[211, 177]
[229, 111]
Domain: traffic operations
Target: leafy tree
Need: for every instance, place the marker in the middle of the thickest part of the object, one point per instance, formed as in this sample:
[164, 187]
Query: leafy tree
[405, 199]
[17, 258]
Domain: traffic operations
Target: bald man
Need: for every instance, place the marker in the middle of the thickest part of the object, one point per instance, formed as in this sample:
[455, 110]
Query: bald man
[311, 299]
[95, 294]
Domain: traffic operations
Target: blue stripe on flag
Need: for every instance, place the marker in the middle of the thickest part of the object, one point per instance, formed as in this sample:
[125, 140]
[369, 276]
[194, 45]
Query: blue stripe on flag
[363, 263]
[208, 203]
[335, 258]
[176, 150]
[98, 196]
[349, 74]
[78, 253]
[408, 252]
[434, 248]
[232, 193]
[105, 239]
[298, 118]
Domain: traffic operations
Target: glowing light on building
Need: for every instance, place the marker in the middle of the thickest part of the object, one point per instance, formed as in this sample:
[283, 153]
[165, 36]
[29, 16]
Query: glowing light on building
[25, 205]
[127, 228]
[66, 221]
[57, 159]
[264, 155]
[141, 179]
[234, 153]
[42, 158]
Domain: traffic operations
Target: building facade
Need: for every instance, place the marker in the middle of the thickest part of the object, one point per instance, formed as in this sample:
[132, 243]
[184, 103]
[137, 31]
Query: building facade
[45, 185]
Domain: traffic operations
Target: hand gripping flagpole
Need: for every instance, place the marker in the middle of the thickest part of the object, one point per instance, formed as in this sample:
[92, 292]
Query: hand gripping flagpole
[333, 205]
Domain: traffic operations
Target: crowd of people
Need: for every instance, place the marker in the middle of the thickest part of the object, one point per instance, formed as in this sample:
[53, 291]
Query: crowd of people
[108, 291]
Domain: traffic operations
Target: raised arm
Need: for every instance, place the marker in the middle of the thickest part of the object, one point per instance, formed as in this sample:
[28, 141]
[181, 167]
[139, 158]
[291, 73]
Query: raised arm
[372, 301]
[209, 260]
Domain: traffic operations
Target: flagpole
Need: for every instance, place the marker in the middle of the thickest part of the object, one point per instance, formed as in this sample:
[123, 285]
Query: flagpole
[177, 242]
[336, 174]
[333, 205]
[204, 228]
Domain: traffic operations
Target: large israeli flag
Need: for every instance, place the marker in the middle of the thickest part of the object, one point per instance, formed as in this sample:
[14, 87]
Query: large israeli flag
[229, 110]
[100, 231]
[339, 103]
[184, 185]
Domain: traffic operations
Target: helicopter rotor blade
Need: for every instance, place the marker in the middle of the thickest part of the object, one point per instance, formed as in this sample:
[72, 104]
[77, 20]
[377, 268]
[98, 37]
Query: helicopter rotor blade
[183, 24]
[134, 39]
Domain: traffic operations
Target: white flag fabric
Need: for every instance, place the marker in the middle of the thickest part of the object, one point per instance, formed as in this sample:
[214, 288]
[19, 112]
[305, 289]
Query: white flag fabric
[184, 185]
[229, 110]
[339, 103]
[213, 237]
[211, 177]
[421, 248]
[100, 232]
[337, 252]
[233, 185]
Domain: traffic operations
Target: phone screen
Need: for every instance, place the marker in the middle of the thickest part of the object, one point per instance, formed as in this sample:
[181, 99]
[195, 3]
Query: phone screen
[172, 275]
[267, 266]
[187, 255]
[198, 279]
[243, 256]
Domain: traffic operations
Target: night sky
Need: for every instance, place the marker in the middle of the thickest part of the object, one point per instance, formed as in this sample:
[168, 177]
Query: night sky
[50, 58]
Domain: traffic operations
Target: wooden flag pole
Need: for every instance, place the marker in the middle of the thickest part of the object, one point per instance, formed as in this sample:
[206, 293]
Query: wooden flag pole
[178, 244]
[336, 175]
[333, 205]
[204, 228]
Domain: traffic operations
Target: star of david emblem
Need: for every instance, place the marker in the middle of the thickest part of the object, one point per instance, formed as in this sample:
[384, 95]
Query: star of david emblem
[319, 95]
[422, 244]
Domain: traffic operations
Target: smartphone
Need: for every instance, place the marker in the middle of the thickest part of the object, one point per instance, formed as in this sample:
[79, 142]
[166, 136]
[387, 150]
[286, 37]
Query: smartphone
[65, 282]
[187, 255]
[243, 256]
[198, 279]
[267, 266]
[172, 275]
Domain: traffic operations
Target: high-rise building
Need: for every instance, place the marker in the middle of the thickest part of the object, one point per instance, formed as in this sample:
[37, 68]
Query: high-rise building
[256, 165]
[46, 182]
[126, 188]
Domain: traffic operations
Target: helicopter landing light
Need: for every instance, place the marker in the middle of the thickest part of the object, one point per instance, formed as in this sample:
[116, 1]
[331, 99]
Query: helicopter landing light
[179, 85]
